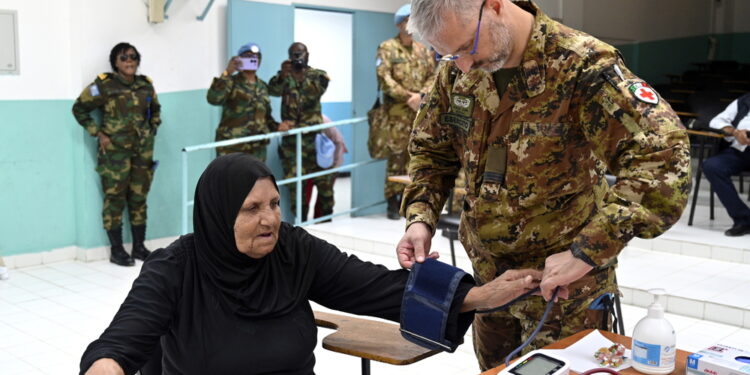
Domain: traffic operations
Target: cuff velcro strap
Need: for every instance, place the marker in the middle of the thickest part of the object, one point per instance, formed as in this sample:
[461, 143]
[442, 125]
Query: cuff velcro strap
[427, 301]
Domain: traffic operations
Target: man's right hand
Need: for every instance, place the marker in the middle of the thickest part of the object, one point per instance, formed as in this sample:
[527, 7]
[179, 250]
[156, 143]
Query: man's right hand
[105, 366]
[104, 142]
[414, 245]
[233, 65]
[286, 68]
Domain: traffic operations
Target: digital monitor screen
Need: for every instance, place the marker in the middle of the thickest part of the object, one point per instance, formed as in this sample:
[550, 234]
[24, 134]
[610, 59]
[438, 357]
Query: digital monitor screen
[537, 364]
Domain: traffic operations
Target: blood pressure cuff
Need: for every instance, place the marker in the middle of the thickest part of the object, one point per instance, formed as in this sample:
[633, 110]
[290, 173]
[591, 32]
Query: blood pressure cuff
[426, 306]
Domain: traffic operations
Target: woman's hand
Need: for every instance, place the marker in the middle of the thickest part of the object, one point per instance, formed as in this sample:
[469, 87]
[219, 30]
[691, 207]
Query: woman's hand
[105, 366]
[104, 142]
[233, 65]
[502, 290]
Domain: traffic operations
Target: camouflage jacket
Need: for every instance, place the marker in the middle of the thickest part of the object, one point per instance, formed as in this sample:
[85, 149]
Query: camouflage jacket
[246, 107]
[300, 101]
[568, 116]
[128, 109]
[402, 70]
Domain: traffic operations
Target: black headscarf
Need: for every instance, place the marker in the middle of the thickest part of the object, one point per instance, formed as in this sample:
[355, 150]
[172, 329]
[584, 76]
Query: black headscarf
[249, 287]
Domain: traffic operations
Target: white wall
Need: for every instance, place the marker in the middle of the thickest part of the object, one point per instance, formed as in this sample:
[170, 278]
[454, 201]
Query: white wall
[64, 44]
[740, 16]
[43, 49]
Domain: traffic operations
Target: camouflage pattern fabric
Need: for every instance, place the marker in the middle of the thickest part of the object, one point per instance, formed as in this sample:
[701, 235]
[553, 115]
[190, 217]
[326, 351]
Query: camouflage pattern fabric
[246, 111]
[130, 118]
[300, 103]
[569, 116]
[401, 70]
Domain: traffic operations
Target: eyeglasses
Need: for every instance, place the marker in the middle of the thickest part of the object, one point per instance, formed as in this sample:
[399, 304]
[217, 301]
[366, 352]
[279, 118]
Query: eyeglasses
[133, 56]
[439, 57]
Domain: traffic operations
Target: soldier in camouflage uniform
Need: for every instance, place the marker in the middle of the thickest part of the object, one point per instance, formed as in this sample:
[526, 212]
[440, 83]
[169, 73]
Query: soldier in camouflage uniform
[130, 118]
[405, 71]
[535, 113]
[246, 106]
[301, 88]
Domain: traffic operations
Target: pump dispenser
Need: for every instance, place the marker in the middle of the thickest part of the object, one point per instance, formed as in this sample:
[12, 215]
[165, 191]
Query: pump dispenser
[654, 340]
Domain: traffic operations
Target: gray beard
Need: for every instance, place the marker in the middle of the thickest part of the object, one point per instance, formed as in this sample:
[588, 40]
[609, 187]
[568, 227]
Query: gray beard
[502, 40]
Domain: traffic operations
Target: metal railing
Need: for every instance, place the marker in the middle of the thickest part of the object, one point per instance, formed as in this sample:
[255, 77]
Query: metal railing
[186, 203]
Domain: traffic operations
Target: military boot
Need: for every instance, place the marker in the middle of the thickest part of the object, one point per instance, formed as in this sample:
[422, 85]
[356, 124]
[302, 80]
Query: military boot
[394, 204]
[118, 255]
[139, 235]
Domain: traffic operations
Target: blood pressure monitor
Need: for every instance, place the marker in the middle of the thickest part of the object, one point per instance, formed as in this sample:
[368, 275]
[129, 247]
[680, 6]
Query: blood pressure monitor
[538, 363]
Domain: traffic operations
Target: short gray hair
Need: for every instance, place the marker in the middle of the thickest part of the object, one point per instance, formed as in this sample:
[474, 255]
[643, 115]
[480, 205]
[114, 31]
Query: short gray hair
[426, 17]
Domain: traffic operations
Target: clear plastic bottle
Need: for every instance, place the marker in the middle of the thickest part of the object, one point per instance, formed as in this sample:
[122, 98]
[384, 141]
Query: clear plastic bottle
[654, 340]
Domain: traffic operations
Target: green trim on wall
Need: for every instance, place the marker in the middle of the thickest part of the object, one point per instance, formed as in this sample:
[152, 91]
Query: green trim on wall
[653, 60]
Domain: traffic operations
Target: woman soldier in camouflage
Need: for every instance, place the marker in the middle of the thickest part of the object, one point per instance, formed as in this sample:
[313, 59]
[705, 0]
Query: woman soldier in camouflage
[246, 107]
[130, 118]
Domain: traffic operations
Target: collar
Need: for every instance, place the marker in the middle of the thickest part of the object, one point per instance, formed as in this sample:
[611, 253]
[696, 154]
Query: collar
[533, 64]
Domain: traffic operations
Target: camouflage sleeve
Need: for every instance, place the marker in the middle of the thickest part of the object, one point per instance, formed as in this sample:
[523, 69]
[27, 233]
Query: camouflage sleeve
[645, 146]
[434, 163]
[387, 83]
[219, 90]
[155, 111]
[321, 82]
[276, 85]
[432, 73]
[90, 99]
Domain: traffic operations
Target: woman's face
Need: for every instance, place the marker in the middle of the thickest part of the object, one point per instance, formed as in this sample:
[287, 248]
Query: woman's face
[127, 62]
[256, 228]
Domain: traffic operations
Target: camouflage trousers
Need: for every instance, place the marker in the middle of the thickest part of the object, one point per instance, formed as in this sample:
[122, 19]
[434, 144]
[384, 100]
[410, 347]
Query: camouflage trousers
[497, 334]
[397, 165]
[324, 184]
[126, 176]
[256, 149]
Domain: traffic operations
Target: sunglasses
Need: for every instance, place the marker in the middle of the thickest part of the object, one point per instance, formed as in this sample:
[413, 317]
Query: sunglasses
[132, 56]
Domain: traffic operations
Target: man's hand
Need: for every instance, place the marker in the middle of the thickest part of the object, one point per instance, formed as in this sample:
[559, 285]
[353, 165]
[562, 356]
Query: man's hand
[104, 142]
[741, 137]
[233, 65]
[285, 125]
[105, 366]
[414, 245]
[414, 100]
[561, 269]
[505, 288]
[286, 68]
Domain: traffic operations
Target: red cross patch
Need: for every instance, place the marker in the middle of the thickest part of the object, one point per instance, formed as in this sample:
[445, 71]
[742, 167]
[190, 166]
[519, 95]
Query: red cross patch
[643, 92]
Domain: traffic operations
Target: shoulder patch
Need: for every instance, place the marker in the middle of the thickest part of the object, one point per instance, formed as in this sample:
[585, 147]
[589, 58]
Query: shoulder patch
[148, 79]
[103, 76]
[94, 89]
[378, 62]
[643, 92]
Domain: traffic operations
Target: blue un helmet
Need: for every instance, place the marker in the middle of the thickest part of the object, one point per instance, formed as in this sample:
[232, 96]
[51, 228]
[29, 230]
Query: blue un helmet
[250, 47]
[401, 14]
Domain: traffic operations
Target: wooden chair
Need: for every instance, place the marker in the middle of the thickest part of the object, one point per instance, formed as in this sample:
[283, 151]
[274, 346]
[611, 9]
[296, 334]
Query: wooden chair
[369, 340]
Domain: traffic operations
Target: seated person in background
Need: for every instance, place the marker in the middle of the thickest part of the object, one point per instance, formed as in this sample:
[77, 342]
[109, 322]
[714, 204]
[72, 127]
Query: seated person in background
[719, 169]
[246, 106]
[233, 297]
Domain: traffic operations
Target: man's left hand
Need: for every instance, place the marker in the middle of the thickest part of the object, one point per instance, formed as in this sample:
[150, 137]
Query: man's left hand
[561, 269]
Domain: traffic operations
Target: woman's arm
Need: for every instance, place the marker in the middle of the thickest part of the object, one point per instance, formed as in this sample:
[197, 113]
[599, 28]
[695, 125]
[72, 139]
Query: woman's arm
[143, 318]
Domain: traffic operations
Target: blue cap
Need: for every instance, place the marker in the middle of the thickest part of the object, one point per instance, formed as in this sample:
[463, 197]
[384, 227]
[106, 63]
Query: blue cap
[251, 47]
[402, 13]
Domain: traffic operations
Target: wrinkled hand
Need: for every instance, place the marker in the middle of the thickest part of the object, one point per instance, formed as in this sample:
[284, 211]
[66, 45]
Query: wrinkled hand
[414, 245]
[105, 366]
[233, 65]
[285, 125]
[502, 290]
[561, 269]
[414, 100]
[104, 142]
[741, 137]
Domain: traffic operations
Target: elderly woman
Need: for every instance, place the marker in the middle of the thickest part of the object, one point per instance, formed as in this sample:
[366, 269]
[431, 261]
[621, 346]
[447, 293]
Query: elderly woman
[233, 297]
[125, 161]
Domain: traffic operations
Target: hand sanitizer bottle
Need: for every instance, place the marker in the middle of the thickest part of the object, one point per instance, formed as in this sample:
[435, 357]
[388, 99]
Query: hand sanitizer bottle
[654, 340]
